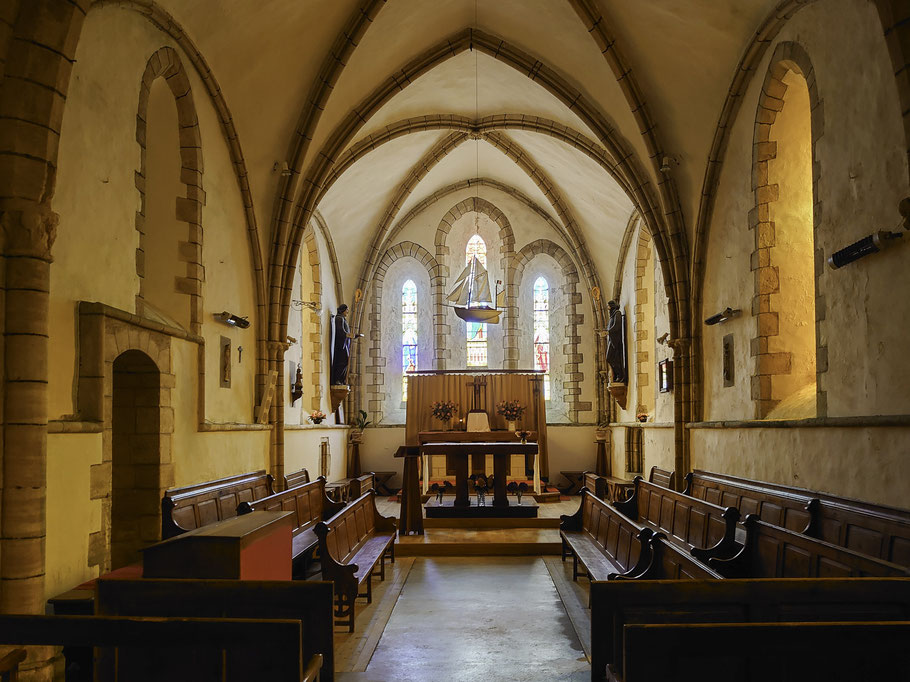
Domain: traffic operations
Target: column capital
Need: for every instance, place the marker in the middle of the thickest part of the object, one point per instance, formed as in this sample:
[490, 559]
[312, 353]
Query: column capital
[29, 231]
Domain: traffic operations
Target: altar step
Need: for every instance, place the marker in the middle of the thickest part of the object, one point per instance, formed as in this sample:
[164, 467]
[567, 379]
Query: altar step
[482, 541]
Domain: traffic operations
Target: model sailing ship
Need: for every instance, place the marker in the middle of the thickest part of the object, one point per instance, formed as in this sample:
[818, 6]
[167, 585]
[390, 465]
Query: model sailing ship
[471, 295]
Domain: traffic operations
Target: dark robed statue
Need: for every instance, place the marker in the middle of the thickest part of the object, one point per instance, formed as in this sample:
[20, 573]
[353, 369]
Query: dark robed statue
[616, 351]
[341, 349]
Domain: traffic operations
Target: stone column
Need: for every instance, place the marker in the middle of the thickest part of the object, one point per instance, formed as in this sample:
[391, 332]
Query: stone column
[28, 233]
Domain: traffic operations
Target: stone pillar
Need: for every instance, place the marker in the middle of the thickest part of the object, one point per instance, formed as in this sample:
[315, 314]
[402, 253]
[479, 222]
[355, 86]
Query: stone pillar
[28, 232]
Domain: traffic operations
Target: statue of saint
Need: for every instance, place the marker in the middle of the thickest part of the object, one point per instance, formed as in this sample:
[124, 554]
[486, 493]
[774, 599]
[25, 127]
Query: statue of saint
[341, 349]
[616, 351]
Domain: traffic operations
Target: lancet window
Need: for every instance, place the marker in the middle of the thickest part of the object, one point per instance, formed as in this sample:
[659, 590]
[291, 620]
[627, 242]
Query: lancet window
[542, 331]
[476, 331]
[408, 334]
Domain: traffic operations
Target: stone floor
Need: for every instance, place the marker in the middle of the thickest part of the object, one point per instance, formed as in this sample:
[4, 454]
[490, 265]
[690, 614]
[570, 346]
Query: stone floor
[459, 619]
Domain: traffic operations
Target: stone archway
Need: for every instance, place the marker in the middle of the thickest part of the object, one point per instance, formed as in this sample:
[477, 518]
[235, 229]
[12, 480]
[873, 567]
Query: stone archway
[136, 457]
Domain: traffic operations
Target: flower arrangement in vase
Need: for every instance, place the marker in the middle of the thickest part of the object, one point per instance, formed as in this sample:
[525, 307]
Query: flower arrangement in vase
[511, 410]
[523, 435]
[317, 417]
[443, 410]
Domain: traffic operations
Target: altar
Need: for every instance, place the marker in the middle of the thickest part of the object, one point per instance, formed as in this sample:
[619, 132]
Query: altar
[466, 449]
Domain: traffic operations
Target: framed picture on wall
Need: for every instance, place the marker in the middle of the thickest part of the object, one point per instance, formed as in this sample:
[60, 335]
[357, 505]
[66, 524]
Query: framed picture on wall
[665, 376]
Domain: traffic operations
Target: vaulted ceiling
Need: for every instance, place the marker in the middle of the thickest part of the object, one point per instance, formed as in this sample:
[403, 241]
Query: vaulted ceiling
[469, 114]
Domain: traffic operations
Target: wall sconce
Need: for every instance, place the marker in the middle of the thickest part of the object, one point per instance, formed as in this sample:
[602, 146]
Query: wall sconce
[723, 316]
[232, 320]
[300, 305]
[875, 242]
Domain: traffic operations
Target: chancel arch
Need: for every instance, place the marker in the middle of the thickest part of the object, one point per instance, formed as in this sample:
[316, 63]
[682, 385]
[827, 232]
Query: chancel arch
[787, 306]
[404, 262]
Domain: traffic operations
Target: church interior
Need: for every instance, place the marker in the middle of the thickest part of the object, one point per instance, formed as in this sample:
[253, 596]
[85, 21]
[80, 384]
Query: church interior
[474, 339]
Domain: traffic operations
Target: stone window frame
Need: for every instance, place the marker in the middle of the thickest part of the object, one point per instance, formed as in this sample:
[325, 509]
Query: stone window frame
[376, 368]
[476, 204]
[571, 352]
[166, 63]
[787, 56]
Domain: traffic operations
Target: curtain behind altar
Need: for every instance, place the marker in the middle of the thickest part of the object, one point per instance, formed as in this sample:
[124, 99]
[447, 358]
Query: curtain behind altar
[425, 389]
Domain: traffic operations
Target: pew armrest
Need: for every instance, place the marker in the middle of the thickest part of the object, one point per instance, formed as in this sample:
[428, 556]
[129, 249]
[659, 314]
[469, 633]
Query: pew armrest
[383, 523]
[645, 568]
[341, 574]
[688, 489]
[572, 522]
[329, 506]
[629, 507]
[313, 666]
[737, 564]
[727, 546]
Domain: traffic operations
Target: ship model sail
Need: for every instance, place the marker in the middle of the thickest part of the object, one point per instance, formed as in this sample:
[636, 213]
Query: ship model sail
[471, 295]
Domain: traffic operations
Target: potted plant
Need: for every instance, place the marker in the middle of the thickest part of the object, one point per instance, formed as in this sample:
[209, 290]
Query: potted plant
[511, 410]
[360, 423]
[317, 417]
[444, 410]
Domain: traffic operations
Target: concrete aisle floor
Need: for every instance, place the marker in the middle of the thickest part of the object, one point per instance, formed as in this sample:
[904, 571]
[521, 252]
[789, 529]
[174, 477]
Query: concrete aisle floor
[461, 619]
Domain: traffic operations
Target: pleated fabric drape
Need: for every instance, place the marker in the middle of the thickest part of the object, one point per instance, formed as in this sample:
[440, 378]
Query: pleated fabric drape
[425, 389]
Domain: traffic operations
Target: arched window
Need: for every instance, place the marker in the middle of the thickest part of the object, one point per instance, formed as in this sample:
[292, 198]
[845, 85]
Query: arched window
[542, 331]
[477, 331]
[408, 334]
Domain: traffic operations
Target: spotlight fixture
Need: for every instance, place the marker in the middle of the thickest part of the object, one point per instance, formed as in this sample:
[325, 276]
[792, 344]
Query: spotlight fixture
[300, 305]
[724, 315]
[875, 242]
[232, 320]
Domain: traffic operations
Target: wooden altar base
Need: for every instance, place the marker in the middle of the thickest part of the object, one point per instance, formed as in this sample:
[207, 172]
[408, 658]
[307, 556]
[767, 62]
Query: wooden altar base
[447, 510]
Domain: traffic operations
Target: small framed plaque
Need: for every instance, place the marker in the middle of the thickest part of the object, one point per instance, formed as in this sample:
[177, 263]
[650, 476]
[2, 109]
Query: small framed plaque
[665, 376]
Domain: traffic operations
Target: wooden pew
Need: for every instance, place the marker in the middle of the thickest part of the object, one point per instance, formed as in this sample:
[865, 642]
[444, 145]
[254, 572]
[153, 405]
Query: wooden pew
[664, 478]
[295, 478]
[616, 605]
[194, 506]
[151, 650]
[610, 546]
[604, 542]
[783, 652]
[308, 602]
[310, 505]
[876, 530]
[9, 665]
[351, 544]
[705, 529]
[614, 489]
[773, 552]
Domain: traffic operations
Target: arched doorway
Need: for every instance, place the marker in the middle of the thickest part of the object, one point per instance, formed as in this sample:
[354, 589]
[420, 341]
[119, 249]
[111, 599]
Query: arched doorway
[136, 466]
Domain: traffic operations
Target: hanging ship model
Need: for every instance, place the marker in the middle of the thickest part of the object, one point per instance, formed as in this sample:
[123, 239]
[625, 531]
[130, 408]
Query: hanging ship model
[471, 295]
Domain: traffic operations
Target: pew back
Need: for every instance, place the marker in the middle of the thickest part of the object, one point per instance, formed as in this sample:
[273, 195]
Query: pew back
[784, 652]
[614, 605]
[307, 501]
[308, 602]
[774, 552]
[194, 506]
[353, 525]
[664, 478]
[151, 650]
[691, 522]
[295, 478]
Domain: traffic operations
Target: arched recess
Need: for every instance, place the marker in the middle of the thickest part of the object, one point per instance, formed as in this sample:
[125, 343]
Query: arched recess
[377, 358]
[787, 300]
[166, 63]
[572, 375]
[506, 252]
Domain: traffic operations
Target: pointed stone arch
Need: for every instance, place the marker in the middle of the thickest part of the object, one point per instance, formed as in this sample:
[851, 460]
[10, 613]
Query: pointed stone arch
[477, 204]
[572, 349]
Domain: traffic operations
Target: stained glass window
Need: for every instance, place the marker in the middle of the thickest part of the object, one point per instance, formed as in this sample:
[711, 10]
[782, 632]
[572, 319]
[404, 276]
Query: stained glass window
[408, 334]
[477, 331]
[542, 331]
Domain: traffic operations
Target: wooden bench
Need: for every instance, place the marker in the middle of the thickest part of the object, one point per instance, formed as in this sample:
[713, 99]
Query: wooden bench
[308, 602]
[876, 530]
[616, 605]
[9, 665]
[311, 505]
[786, 652]
[773, 552]
[295, 478]
[194, 506]
[352, 488]
[614, 489]
[351, 544]
[604, 542]
[704, 529]
[152, 649]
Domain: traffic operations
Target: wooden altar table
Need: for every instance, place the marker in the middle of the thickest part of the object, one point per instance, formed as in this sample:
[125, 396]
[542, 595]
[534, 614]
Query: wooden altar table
[501, 451]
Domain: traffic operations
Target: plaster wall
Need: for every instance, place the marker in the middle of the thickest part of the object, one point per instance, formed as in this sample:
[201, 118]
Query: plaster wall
[72, 516]
[97, 201]
[659, 446]
[867, 463]
[858, 191]
[301, 450]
